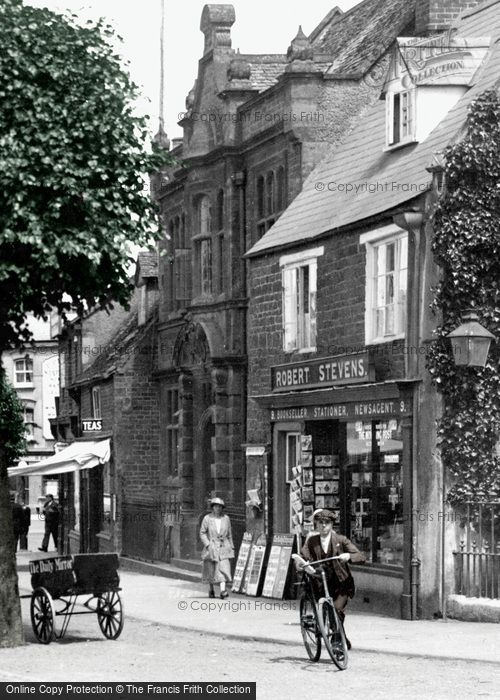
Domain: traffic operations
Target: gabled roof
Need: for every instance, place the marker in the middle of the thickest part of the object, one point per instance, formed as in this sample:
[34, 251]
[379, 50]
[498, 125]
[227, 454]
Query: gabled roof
[266, 69]
[357, 38]
[380, 181]
[119, 348]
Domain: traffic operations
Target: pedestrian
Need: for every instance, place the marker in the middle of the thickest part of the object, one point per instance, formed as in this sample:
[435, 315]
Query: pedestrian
[328, 543]
[218, 548]
[51, 515]
[17, 519]
[23, 540]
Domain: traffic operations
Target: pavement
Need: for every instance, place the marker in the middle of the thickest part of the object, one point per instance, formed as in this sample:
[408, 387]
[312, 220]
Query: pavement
[184, 605]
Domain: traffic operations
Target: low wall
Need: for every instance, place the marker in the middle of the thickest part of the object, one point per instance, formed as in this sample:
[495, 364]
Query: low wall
[473, 609]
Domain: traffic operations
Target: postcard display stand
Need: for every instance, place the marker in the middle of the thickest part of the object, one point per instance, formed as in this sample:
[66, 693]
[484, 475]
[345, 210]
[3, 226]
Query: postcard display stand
[242, 562]
[255, 567]
[320, 479]
[278, 566]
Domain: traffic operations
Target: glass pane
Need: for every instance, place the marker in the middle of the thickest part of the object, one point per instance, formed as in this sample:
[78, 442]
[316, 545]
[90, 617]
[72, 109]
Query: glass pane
[375, 490]
[290, 308]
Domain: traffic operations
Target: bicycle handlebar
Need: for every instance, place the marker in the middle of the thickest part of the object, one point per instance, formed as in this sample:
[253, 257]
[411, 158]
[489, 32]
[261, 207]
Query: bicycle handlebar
[303, 563]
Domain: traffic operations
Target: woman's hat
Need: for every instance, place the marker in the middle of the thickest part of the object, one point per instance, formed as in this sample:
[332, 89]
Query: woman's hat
[326, 514]
[217, 501]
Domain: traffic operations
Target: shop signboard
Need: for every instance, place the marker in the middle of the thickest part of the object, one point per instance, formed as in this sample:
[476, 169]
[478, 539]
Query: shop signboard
[366, 410]
[329, 371]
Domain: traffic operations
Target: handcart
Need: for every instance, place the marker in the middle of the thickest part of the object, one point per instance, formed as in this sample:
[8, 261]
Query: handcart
[59, 581]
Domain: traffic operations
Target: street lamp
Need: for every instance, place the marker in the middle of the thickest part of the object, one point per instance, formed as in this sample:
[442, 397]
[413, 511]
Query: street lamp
[470, 342]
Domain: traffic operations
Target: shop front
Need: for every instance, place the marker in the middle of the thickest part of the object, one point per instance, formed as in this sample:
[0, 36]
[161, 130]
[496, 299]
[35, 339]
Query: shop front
[345, 443]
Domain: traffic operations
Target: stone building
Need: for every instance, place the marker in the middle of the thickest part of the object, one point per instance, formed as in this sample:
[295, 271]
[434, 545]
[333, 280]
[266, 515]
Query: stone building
[254, 127]
[339, 323]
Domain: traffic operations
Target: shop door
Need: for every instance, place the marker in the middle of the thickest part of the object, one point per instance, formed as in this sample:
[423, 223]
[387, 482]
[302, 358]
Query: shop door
[90, 508]
[287, 463]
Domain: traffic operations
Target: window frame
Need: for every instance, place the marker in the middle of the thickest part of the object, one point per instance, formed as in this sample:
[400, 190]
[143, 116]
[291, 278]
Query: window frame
[96, 402]
[408, 134]
[373, 241]
[305, 332]
[27, 370]
[270, 198]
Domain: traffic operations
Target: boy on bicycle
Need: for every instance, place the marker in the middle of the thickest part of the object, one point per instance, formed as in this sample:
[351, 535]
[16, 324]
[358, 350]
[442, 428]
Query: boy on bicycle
[328, 543]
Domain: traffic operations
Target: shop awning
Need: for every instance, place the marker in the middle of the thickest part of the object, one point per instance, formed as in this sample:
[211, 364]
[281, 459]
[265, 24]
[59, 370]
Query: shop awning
[77, 456]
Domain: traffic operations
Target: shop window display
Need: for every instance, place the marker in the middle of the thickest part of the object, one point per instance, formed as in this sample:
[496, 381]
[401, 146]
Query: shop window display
[374, 490]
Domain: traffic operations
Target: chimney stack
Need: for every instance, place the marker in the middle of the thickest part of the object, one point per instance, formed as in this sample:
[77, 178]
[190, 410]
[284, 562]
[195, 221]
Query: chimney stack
[216, 23]
[434, 16]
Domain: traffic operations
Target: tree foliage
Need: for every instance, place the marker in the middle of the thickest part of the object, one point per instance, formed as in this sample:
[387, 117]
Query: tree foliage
[12, 426]
[72, 166]
[467, 247]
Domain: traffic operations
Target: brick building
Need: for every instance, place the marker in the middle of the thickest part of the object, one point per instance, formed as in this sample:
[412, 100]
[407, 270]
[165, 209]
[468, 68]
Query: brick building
[339, 322]
[254, 127]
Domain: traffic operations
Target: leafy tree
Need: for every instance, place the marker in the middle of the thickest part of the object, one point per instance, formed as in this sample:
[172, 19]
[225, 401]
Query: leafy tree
[467, 247]
[12, 446]
[72, 168]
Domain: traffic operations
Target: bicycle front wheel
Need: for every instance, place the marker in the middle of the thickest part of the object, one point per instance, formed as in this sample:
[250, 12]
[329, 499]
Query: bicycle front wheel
[332, 631]
[311, 633]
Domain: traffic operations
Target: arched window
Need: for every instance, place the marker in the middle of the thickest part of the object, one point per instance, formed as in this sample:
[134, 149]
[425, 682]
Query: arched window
[205, 216]
[204, 245]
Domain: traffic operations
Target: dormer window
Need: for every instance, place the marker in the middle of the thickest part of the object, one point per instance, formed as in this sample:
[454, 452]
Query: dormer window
[400, 120]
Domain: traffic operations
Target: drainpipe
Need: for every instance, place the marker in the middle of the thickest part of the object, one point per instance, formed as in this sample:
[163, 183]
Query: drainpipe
[411, 221]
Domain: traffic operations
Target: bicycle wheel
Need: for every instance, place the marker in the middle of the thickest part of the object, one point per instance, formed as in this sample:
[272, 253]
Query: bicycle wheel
[332, 631]
[309, 627]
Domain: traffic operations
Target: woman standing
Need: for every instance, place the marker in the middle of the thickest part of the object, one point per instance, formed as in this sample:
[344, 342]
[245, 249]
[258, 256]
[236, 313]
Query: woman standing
[218, 549]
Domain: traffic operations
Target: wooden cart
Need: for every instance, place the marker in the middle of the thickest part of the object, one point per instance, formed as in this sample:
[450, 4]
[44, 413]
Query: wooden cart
[57, 584]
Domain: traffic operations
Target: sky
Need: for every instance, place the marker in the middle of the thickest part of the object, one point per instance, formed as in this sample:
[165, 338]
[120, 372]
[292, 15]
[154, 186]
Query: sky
[262, 26]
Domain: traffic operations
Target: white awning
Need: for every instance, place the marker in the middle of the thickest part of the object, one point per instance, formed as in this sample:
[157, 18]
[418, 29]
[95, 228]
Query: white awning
[77, 456]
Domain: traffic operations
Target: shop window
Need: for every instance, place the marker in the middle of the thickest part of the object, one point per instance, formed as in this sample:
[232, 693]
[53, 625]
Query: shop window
[374, 490]
[96, 402]
[107, 499]
[299, 284]
[386, 287]
[172, 430]
[400, 116]
[23, 372]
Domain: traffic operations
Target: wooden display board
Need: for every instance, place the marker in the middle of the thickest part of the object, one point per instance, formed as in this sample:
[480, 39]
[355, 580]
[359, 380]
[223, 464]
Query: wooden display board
[278, 566]
[241, 562]
[255, 565]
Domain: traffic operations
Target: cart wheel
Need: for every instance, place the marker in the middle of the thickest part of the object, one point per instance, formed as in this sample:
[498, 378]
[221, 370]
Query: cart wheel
[43, 616]
[110, 614]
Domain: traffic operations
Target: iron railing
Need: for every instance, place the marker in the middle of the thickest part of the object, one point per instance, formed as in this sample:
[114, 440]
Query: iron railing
[477, 563]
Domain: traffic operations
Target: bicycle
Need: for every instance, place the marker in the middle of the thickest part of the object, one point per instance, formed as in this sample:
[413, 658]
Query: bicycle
[319, 619]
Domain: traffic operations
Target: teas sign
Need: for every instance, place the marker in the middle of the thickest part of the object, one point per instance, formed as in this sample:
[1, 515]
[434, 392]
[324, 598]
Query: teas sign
[329, 371]
[92, 425]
